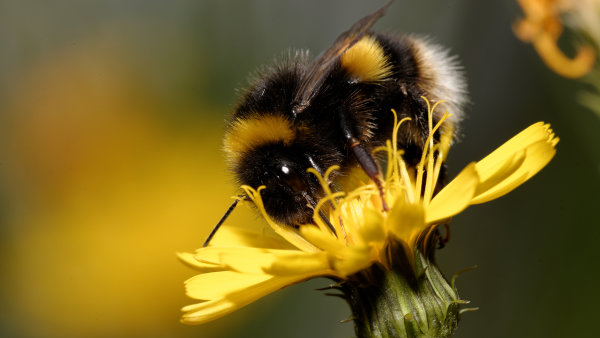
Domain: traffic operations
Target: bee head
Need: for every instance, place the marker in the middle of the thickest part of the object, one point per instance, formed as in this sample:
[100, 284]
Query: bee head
[290, 192]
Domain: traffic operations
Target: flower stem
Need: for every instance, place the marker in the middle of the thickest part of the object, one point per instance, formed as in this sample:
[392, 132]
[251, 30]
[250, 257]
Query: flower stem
[403, 301]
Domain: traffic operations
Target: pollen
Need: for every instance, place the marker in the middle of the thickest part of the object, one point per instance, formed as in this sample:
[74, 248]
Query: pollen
[366, 61]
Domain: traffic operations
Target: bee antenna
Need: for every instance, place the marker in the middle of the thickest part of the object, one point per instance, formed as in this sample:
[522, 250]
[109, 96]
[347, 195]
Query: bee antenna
[222, 220]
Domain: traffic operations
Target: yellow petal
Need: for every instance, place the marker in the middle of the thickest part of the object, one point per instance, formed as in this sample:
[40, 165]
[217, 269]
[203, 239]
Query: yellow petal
[515, 162]
[343, 258]
[533, 134]
[213, 285]
[300, 263]
[372, 229]
[209, 255]
[454, 197]
[320, 239]
[247, 260]
[500, 173]
[354, 259]
[258, 261]
[536, 157]
[241, 259]
[251, 236]
[210, 310]
[291, 235]
[190, 260]
[405, 220]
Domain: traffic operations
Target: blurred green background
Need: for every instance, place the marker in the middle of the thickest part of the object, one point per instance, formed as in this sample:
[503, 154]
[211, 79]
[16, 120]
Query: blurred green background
[111, 118]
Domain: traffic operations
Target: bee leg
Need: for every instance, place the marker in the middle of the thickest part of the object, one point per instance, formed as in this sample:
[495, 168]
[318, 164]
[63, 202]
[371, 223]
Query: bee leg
[366, 161]
[364, 157]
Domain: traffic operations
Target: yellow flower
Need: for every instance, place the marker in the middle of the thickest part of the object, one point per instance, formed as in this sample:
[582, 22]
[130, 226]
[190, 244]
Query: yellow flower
[243, 265]
[542, 26]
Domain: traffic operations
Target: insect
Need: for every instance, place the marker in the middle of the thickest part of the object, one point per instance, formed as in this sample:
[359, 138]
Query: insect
[334, 111]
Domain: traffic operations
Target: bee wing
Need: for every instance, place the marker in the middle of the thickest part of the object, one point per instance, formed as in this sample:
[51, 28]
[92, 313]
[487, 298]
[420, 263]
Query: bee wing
[320, 67]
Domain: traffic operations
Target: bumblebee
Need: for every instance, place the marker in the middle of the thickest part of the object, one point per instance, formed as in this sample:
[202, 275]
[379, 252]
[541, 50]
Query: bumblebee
[335, 110]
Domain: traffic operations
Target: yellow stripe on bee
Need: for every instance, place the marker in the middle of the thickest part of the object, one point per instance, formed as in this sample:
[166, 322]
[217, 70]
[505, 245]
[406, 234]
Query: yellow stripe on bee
[252, 132]
[366, 60]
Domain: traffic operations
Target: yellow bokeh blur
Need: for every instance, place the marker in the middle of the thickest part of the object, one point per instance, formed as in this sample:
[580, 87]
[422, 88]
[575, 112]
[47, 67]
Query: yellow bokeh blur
[104, 190]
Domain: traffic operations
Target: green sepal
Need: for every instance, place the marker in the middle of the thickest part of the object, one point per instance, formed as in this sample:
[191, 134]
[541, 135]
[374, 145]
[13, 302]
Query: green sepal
[403, 300]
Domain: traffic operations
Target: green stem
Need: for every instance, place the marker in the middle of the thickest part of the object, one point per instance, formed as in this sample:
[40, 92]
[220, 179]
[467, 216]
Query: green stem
[406, 300]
